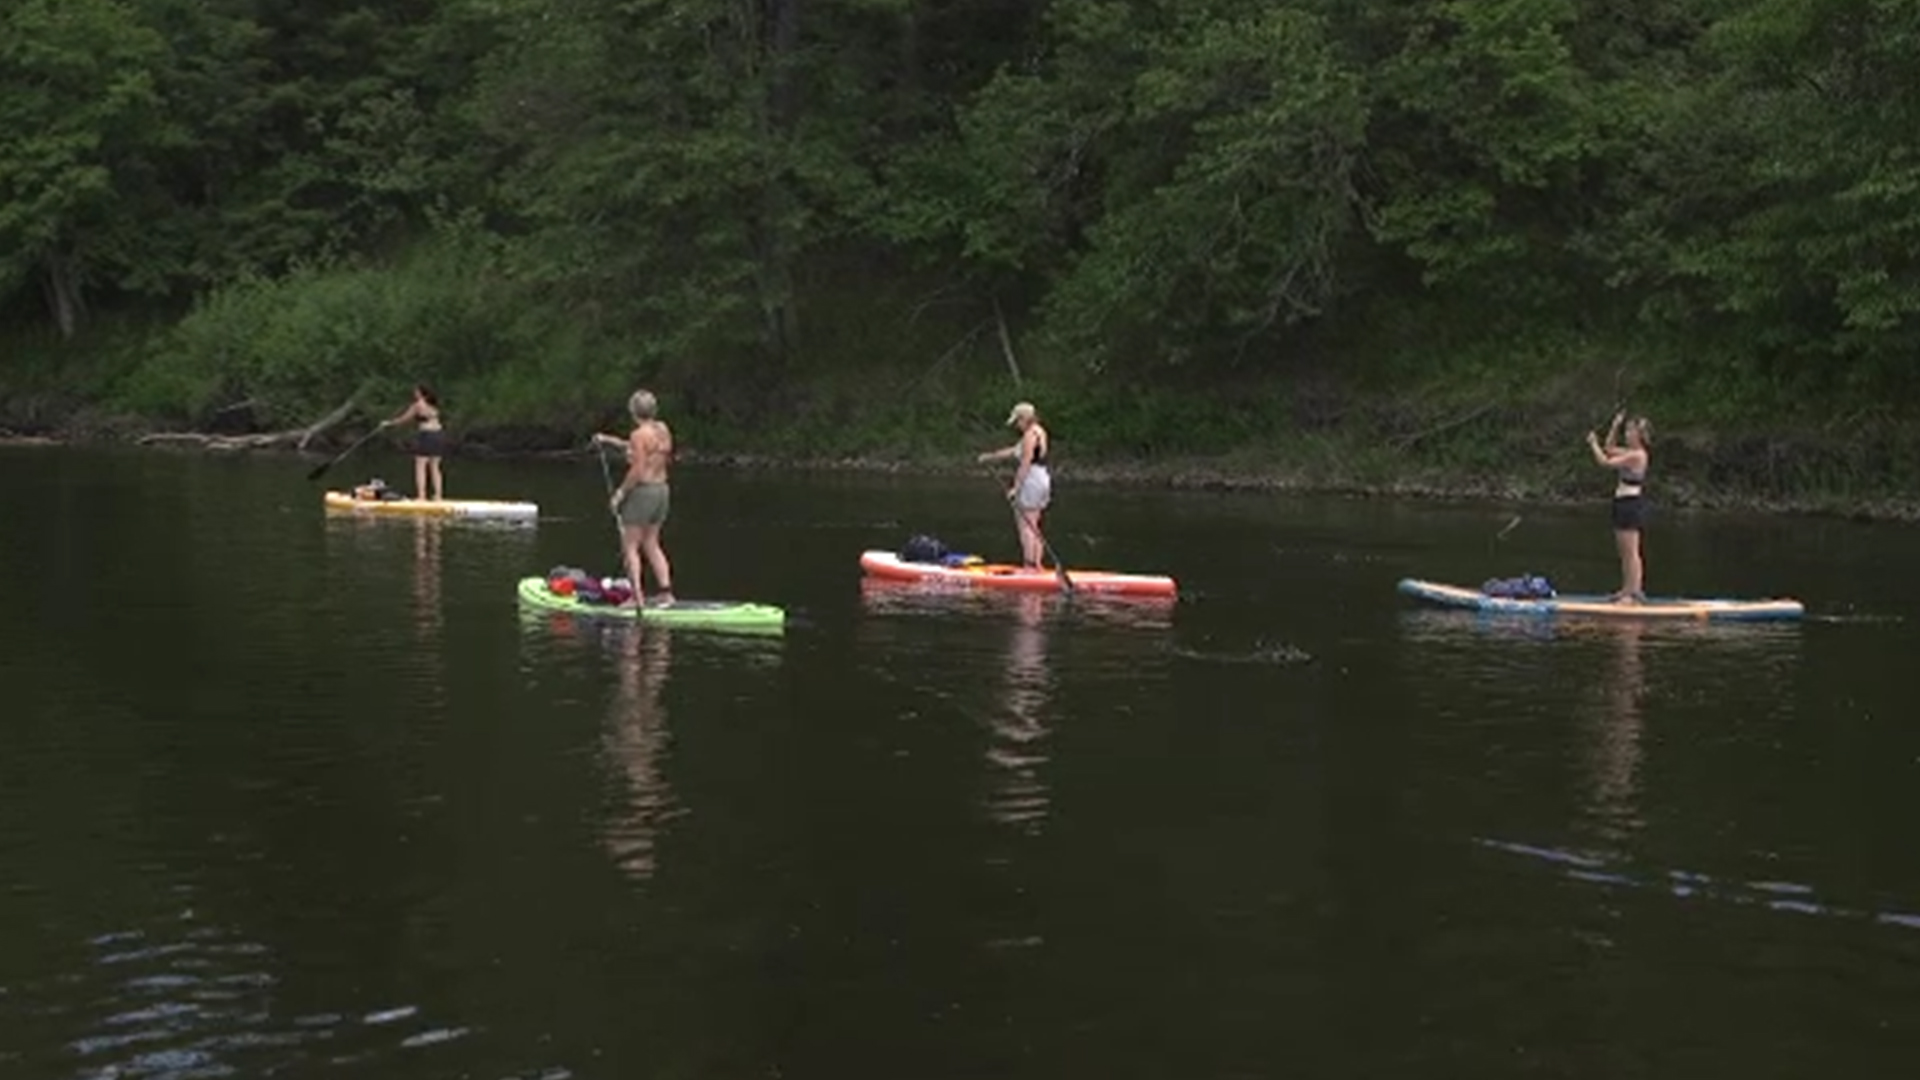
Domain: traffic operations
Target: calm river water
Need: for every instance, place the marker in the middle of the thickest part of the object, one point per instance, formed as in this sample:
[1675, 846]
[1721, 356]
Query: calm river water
[289, 796]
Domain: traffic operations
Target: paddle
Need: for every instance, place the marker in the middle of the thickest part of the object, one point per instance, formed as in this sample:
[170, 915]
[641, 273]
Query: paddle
[320, 470]
[606, 475]
[1060, 568]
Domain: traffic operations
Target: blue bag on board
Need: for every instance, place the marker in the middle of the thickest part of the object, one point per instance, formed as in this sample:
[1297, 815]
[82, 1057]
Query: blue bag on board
[1524, 587]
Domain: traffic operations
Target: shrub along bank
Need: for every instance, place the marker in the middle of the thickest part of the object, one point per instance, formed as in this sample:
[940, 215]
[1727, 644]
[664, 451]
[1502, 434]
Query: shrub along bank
[1490, 419]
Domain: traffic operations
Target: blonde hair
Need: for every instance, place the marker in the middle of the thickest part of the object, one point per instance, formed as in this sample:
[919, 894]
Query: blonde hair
[642, 405]
[1644, 426]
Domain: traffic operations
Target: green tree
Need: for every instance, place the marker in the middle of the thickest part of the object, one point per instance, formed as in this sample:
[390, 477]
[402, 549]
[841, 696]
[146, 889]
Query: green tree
[78, 112]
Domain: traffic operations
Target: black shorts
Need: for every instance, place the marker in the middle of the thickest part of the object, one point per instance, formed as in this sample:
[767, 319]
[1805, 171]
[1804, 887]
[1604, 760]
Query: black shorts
[430, 444]
[1630, 514]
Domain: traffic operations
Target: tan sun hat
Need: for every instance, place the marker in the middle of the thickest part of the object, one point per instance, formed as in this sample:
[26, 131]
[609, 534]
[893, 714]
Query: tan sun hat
[1022, 411]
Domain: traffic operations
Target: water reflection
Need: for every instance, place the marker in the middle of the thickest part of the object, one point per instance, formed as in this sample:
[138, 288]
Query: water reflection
[1454, 627]
[1614, 670]
[1018, 722]
[636, 741]
[1018, 730]
[1614, 761]
[879, 597]
[1519, 663]
[426, 578]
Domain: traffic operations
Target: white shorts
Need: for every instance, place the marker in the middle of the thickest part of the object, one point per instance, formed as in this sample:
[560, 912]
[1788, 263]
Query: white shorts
[1036, 490]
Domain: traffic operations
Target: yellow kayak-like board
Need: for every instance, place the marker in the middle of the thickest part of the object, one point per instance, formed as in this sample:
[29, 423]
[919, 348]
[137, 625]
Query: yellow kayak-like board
[461, 508]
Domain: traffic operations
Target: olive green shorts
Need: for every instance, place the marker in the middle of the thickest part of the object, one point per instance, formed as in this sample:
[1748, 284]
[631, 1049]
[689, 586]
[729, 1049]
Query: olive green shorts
[646, 504]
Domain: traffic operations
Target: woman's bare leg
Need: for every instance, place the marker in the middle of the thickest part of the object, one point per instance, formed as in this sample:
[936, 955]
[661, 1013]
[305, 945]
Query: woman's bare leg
[1632, 574]
[1031, 549]
[433, 473]
[657, 558]
[630, 557]
[420, 478]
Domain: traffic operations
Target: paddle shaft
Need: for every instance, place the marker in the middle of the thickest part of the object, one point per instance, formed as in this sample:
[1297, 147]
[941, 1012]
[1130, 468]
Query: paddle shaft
[1019, 522]
[320, 470]
[606, 474]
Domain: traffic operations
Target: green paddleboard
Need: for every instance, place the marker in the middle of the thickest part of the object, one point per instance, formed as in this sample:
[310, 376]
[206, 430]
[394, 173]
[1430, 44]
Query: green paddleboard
[733, 615]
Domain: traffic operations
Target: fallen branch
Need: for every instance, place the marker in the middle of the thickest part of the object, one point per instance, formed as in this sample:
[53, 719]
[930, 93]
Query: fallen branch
[10, 437]
[298, 438]
[328, 422]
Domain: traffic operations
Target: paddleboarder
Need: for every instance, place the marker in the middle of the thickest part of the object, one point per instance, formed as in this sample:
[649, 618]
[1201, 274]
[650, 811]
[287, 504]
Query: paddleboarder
[640, 502]
[1032, 487]
[429, 440]
[1630, 462]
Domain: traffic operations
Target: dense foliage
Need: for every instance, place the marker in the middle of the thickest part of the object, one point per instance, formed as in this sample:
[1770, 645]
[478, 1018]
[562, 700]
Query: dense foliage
[538, 201]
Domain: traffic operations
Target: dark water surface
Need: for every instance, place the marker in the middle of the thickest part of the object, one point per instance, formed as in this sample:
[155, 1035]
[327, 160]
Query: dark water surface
[289, 796]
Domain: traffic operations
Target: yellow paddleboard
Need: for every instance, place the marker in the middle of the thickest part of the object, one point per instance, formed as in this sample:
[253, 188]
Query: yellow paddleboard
[345, 502]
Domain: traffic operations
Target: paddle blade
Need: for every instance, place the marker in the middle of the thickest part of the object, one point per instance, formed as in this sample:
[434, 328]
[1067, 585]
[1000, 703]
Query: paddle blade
[319, 470]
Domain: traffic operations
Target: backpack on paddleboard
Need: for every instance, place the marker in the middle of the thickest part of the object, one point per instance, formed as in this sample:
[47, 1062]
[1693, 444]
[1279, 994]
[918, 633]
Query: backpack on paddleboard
[586, 588]
[376, 490]
[924, 549]
[1524, 587]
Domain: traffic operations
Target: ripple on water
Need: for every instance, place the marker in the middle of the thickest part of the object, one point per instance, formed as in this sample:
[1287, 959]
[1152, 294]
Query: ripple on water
[1783, 896]
[174, 1002]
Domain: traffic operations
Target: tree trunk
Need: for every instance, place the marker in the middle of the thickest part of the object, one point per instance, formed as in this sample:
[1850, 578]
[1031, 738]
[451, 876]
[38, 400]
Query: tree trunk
[782, 113]
[1006, 343]
[62, 290]
[907, 95]
[783, 48]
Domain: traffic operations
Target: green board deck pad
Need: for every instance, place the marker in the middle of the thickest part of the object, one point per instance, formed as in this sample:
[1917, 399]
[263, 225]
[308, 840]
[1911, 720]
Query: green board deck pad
[711, 614]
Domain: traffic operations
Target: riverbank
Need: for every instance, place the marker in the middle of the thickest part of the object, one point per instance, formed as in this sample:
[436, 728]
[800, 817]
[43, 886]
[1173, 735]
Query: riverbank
[1257, 470]
[1430, 400]
[1504, 426]
[1247, 473]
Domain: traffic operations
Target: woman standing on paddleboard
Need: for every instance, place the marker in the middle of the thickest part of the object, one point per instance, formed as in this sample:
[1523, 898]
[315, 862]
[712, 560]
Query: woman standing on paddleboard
[1629, 498]
[640, 502]
[1032, 487]
[429, 441]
